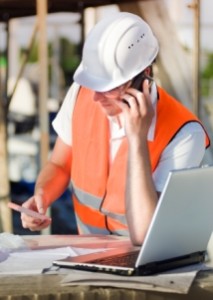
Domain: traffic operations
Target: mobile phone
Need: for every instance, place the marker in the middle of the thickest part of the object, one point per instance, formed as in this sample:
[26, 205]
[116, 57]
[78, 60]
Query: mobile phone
[27, 211]
[137, 83]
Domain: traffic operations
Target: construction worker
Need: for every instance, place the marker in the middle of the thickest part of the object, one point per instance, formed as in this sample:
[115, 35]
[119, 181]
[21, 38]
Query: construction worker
[119, 135]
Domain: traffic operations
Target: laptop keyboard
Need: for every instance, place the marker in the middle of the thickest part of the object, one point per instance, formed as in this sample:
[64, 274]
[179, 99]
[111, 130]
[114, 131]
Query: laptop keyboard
[121, 260]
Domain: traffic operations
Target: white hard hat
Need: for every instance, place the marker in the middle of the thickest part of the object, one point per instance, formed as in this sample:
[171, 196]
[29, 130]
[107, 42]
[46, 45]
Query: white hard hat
[117, 49]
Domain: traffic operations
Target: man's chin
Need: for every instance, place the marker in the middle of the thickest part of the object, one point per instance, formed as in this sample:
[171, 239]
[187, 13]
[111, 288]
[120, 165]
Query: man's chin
[111, 111]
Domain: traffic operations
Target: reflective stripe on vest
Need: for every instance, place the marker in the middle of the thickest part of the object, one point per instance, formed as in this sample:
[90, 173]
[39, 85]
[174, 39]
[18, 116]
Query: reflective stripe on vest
[94, 204]
[86, 198]
[99, 192]
[88, 229]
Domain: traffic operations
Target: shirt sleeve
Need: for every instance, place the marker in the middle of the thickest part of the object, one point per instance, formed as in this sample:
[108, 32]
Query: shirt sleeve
[186, 150]
[62, 123]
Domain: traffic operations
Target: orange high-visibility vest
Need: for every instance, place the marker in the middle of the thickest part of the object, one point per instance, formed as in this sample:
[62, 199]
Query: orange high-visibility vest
[98, 191]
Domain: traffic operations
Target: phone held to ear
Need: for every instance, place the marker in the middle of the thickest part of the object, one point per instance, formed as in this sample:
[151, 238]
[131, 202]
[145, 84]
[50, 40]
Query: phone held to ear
[137, 83]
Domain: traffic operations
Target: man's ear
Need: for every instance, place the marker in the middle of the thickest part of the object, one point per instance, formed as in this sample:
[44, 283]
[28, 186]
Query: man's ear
[148, 71]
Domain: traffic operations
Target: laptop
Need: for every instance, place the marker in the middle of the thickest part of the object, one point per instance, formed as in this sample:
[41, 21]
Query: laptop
[177, 236]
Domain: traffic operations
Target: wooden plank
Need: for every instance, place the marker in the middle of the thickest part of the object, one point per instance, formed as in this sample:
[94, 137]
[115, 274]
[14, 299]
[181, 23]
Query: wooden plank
[5, 213]
[43, 85]
[43, 81]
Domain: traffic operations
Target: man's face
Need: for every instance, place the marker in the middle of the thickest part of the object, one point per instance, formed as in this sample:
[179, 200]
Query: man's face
[107, 99]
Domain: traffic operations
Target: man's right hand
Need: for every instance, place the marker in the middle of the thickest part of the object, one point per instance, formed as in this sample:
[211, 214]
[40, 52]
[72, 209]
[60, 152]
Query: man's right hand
[35, 203]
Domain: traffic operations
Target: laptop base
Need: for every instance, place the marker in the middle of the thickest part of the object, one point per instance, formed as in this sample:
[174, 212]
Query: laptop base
[144, 270]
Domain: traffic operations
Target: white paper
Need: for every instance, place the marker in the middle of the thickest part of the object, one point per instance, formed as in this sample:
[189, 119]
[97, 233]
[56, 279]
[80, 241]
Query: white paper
[35, 261]
[11, 242]
[3, 255]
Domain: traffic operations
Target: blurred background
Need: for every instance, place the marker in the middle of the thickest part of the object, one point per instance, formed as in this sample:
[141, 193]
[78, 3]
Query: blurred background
[40, 48]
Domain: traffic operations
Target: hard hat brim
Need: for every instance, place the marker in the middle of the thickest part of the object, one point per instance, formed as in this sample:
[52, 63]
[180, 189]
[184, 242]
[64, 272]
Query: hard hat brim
[95, 83]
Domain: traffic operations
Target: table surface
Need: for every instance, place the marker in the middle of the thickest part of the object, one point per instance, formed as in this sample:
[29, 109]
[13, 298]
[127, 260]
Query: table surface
[48, 287]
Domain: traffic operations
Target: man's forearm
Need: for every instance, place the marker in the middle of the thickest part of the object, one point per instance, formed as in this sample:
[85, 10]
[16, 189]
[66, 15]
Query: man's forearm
[52, 182]
[141, 197]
